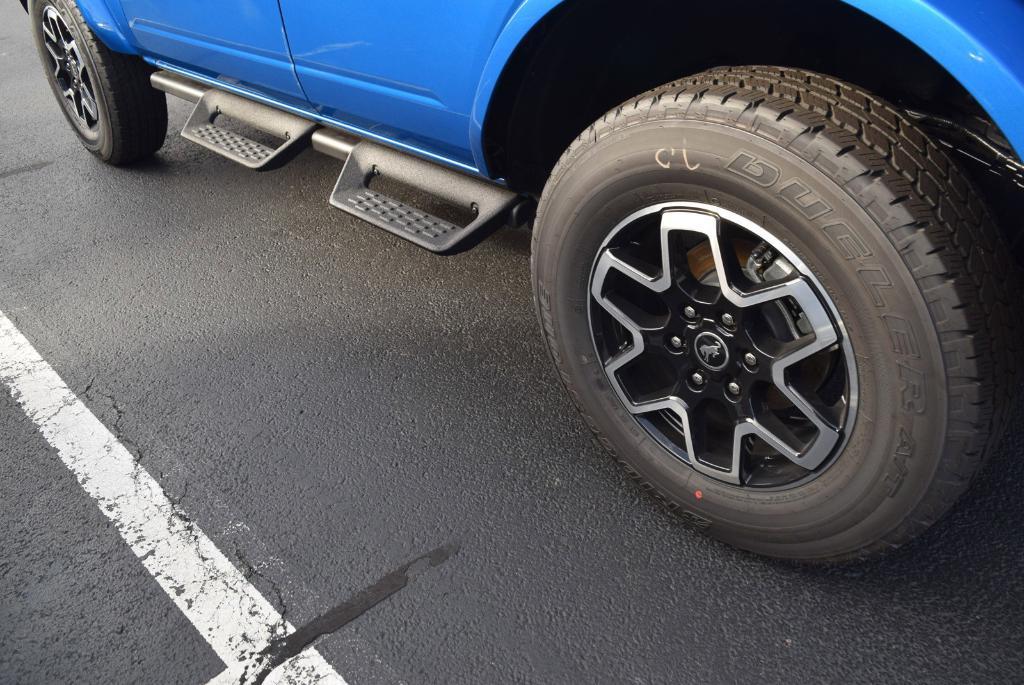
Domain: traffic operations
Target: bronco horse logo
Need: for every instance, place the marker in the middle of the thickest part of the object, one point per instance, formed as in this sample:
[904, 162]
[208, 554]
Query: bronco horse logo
[710, 352]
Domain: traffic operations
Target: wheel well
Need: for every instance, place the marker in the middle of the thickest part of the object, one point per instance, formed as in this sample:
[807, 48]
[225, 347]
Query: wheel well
[586, 57]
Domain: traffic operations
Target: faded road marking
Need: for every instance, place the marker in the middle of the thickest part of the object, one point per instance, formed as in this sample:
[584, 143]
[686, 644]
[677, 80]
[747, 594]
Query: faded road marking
[233, 617]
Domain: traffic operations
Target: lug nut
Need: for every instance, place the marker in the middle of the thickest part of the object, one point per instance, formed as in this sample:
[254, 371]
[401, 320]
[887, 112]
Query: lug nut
[676, 342]
[733, 388]
[697, 378]
[689, 312]
[749, 359]
[728, 320]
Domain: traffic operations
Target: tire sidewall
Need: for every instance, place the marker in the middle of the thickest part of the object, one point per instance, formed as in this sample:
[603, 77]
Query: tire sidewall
[897, 437]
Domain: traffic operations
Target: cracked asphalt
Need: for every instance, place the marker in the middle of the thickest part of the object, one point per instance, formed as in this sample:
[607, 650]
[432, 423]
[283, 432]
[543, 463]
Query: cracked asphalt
[328, 403]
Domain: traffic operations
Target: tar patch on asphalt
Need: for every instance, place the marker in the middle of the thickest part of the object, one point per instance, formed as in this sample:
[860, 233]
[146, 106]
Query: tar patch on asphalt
[282, 649]
[25, 169]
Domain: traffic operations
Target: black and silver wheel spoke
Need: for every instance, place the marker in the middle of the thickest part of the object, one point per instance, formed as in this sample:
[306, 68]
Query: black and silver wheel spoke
[69, 70]
[718, 341]
[52, 49]
[89, 107]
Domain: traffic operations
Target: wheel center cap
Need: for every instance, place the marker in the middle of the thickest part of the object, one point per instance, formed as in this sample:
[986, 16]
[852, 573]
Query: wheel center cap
[711, 351]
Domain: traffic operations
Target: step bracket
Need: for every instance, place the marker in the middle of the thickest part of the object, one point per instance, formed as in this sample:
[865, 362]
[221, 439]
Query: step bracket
[488, 204]
[202, 128]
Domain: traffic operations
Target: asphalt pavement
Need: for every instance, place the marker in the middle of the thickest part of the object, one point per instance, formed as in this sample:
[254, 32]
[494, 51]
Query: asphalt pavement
[327, 402]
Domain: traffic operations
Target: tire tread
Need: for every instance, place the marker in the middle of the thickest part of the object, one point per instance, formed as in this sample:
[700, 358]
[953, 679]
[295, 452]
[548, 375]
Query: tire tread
[941, 227]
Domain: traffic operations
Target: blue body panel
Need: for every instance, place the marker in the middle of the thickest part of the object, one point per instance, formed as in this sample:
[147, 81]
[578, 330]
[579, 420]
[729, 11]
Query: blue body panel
[108, 22]
[420, 74]
[407, 70]
[240, 40]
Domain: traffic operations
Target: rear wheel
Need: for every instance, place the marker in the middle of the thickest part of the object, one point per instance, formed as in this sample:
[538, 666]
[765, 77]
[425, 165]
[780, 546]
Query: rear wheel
[105, 96]
[780, 306]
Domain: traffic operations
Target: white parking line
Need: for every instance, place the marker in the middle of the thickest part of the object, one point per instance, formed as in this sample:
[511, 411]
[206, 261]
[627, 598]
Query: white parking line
[233, 617]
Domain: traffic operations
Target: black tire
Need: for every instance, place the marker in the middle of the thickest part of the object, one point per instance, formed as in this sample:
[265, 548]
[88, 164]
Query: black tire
[131, 122]
[920, 279]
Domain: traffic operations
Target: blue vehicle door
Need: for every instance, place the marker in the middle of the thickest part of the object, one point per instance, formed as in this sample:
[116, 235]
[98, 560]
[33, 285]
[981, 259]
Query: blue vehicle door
[404, 70]
[241, 42]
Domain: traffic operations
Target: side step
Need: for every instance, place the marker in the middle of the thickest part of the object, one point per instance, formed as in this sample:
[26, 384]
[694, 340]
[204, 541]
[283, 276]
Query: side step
[204, 127]
[485, 205]
[370, 175]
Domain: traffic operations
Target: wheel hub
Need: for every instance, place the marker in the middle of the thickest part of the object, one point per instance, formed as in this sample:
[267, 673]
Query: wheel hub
[719, 341]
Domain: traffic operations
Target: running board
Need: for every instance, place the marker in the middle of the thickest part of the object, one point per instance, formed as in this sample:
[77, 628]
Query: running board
[371, 171]
[205, 127]
[485, 205]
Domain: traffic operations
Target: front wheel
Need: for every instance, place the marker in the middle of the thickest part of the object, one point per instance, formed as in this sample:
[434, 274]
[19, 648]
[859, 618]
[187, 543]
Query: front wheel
[780, 306]
[104, 95]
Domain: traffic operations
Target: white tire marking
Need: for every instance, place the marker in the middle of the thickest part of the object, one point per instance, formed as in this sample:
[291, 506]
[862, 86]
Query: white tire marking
[230, 614]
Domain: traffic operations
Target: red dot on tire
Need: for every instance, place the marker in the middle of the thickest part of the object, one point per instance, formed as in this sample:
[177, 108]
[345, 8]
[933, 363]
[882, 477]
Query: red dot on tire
[699, 494]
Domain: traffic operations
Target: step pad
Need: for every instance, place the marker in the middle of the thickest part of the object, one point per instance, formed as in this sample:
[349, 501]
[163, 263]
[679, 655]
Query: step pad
[487, 203]
[293, 131]
[398, 214]
[233, 143]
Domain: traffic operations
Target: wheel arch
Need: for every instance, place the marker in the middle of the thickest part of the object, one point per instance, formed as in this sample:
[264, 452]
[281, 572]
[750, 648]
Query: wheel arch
[948, 54]
[107, 21]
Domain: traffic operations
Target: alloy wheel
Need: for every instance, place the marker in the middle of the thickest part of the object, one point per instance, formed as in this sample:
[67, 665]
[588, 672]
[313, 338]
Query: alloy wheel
[723, 345]
[68, 70]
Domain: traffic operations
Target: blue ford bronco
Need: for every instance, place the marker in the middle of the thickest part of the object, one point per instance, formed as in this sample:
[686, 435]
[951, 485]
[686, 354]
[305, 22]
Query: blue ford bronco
[773, 242]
